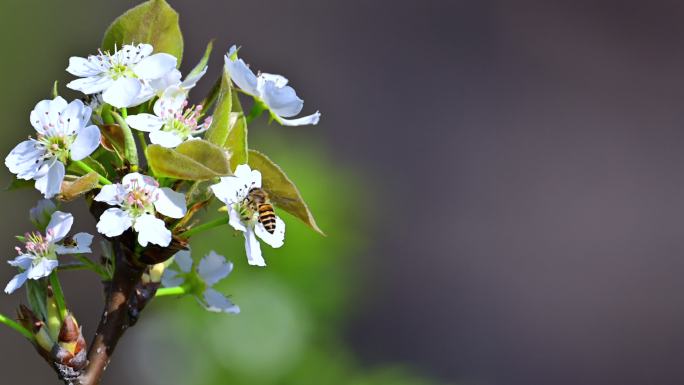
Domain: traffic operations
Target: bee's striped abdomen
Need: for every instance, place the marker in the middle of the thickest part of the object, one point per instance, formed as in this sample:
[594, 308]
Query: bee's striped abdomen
[267, 217]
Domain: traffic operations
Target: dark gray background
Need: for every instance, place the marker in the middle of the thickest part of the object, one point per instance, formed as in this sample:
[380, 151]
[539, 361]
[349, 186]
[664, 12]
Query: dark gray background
[528, 155]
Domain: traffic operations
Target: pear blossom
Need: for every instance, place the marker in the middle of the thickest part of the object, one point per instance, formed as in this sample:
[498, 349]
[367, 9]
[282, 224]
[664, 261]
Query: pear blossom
[63, 133]
[270, 90]
[201, 278]
[138, 198]
[173, 122]
[125, 77]
[233, 192]
[39, 257]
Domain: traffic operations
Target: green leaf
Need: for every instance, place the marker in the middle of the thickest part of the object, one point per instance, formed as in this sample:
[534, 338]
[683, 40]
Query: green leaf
[220, 124]
[283, 193]
[237, 137]
[191, 160]
[153, 22]
[73, 189]
[203, 62]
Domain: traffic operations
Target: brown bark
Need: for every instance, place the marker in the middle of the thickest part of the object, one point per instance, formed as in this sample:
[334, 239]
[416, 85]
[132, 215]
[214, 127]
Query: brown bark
[116, 317]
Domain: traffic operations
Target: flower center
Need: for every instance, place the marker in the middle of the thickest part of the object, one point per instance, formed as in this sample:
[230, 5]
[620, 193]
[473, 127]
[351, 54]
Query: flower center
[38, 245]
[247, 214]
[184, 121]
[139, 199]
[119, 70]
[56, 146]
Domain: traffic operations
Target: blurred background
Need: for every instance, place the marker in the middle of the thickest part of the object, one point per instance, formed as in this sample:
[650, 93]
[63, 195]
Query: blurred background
[500, 182]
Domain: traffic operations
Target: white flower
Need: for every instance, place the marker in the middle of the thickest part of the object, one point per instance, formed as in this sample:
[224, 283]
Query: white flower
[63, 133]
[138, 198]
[233, 191]
[123, 77]
[172, 122]
[269, 89]
[211, 269]
[39, 257]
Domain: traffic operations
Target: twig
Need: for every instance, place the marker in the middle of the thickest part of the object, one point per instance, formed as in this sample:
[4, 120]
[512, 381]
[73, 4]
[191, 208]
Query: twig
[115, 319]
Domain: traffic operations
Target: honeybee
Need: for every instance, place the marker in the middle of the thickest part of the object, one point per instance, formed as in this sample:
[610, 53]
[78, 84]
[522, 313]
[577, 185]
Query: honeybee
[257, 201]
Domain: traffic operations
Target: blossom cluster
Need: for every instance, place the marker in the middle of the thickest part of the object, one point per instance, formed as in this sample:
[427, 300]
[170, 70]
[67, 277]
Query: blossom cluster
[148, 162]
[67, 133]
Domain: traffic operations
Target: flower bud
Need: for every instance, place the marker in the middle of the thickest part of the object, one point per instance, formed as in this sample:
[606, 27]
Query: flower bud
[71, 346]
[40, 215]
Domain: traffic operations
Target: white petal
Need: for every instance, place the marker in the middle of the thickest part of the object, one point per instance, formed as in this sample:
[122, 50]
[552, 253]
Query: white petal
[92, 84]
[83, 242]
[145, 122]
[219, 303]
[155, 66]
[235, 220]
[171, 278]
[113, 222]
[253, 249]
[191, 81]
[42, 269]
[82, 67]
[213, 268]
[274, 240]
[146, 93]
[87, 140]
[23, 261]
[170, 203]
[171, 101]
[25, 159]
[303, 121]
[283, 101]
[240, 73]
[229, 190]
[140, 179]
[74, 116]
[152, 230]
[122, 93]
[250, 178]
[110, 194]
[16, 282]
[165, 139]
[46, 112]
[183, 259]
[172, 78]
[51, 183]
[277, 80]
[59, 226]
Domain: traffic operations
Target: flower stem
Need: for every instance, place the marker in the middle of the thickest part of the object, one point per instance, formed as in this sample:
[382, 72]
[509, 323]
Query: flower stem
[16, 326]
[256, 111]
[143, 143]
[204, 227]
[83, 166]
[175, 291]
[124, 112]
[73, 266]
[59, 295]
